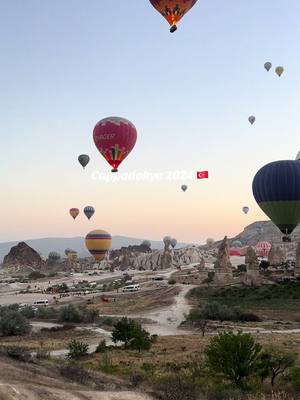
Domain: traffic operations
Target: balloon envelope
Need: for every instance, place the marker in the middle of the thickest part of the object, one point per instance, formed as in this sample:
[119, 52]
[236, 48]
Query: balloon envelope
[172, 10]
[184, 188]
[74, 212]
[84, 159]
[298, 156]
[276, 189]
[246, 210]
[263, 248]
[98, 242]
[89, 211]
[279, 71]
[115, 137]
[167, 240]
[268, 66]
[251, 119]
[173, 243]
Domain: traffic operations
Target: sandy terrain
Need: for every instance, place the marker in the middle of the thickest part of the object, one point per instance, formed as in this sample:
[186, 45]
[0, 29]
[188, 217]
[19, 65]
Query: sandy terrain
[38, 383]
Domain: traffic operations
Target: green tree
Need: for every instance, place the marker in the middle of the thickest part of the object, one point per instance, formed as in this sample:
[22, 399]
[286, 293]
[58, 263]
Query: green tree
[234, 356]
[70, 314]
[131, 334]
[274, 362]
[77, 349]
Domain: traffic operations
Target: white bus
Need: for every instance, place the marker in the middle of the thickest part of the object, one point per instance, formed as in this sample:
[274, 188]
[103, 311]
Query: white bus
[43, 303]
[131, 288]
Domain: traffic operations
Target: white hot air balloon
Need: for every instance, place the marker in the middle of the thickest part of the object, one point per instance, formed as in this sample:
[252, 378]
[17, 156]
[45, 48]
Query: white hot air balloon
[298, 156]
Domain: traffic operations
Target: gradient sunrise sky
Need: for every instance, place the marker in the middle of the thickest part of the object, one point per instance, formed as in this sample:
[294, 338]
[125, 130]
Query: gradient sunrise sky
[65, 64]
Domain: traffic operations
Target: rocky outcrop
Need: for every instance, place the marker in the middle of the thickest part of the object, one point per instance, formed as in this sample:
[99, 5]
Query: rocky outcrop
[297, 264]
[22, 255]
[223, 267]
[252, 264]
[276, 255]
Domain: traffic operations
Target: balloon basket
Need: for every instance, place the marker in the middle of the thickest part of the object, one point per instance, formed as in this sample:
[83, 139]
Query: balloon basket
[173, 28]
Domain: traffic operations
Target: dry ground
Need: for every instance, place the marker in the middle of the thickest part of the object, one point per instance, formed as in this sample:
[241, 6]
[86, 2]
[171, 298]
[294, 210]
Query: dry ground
[19, 381]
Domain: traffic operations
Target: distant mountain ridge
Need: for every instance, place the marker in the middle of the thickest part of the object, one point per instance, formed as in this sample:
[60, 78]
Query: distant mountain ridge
[45, 245]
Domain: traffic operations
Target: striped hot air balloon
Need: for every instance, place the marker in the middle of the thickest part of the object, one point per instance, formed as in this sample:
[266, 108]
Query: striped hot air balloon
[89, 212]
[98, 242]
[262, 249]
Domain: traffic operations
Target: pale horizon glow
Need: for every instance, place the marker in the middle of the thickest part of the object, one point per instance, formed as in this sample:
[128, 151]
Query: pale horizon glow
[66, 65]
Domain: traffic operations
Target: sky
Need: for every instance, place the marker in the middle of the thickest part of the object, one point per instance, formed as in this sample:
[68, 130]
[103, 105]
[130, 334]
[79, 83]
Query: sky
[66, 64]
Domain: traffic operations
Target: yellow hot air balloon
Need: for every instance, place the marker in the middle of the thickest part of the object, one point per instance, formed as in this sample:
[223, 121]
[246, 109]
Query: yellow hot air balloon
[98, 242]
[279, 71]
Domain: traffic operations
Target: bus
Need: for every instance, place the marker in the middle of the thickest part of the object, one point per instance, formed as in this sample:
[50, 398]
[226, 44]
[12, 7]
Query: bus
[131, 288]
[43, 303]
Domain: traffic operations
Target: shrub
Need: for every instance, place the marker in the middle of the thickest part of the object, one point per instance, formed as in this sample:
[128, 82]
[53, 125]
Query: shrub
[18, 353]
[74, 314]
[46, 313]
[101, 348]
[172, 281]
[77, 349]
[13, 323]
[34, 275]
[176, 388]
[234, 356]
[28, 312]
[131, 334]
[274, 362]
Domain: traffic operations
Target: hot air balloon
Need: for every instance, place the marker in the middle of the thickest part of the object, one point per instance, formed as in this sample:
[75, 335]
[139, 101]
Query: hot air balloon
[245, 210]
[279, 71]
[53, 256]
[98, 242]
[172, 10]
[167, 240]
[84, 159]
[74, 212]
[268, 66]
[237, 243]
[184, 188]
[263, 248]
[298, 156]
[89, 211]
[252, 119]
[210, 241]
[115, 137]
[67, 251]
[276, 189]
[146, 243]
[173, 243]
[233, 252]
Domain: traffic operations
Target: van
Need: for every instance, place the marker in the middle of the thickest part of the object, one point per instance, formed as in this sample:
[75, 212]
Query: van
[43, 303]
[131, 288]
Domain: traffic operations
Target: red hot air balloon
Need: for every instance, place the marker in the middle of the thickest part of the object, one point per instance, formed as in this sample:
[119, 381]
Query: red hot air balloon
[115, 137]
[74, 212]
[173, 10]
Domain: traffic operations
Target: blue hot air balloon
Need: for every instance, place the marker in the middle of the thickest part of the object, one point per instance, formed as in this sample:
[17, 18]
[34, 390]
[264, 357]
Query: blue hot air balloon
[89, 212]
[276, 188]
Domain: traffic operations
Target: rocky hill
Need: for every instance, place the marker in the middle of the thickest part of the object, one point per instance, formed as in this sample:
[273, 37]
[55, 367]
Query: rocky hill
[22, 255]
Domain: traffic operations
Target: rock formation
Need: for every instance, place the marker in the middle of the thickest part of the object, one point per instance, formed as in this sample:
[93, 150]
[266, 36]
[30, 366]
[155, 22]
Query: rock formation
[251, 260]
[223, 267]
[22, 255]
[297, 264]
[276, 255]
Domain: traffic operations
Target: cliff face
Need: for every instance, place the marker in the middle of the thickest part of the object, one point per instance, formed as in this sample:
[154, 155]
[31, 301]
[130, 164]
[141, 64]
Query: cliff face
[22, 255]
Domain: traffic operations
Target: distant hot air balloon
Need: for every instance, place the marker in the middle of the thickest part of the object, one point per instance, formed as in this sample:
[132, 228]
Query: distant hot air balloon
[298, 156]
[210, 241]
[237, 243]
[98, 242]
[173, 243]
[84, 159]
[251, 119]
[67, 251]
[279, 71]
[233, 252]
[276, 189]
[146, 243]
[246, 210]
[74, 212]
[184, 188]
[172, 10]
[167, 240]
[268, 66]
[89, 211]
[54, 256]
[115, 137]
[263, 248]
